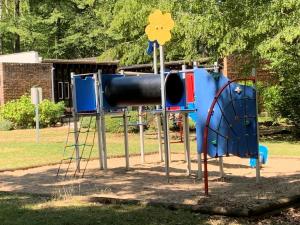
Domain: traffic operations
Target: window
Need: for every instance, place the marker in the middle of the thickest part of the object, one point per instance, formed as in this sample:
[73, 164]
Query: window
[60, 90]
[67, 90]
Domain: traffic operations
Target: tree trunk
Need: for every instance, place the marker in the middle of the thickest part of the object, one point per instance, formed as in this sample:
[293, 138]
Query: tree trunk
[17, 37]
[1, 39]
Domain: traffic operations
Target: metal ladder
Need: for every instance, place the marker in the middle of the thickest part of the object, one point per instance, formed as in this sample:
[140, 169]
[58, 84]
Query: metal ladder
[85, 147]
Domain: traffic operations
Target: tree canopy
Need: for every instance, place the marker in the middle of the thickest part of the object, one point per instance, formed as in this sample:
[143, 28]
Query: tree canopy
[115, 29]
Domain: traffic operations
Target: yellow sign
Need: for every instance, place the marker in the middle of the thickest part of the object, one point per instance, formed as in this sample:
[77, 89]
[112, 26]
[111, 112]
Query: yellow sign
[159, 27]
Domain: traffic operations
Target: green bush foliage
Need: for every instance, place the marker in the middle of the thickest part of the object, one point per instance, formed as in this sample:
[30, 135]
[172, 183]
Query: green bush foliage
[273, 101]
[290, 103]
[283, 101]
[6, 125]
[114, 125]
[21, 112]
[50, 112]
[85, 122]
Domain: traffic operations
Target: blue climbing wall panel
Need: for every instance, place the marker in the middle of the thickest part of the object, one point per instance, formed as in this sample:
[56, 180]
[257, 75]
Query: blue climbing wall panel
[232, 128]
[85, 93]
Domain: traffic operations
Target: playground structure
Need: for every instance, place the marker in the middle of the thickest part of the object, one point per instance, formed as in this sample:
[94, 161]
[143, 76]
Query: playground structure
[225, 112]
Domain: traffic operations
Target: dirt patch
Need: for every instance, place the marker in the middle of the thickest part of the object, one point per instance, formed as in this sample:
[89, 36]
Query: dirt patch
[146, 182]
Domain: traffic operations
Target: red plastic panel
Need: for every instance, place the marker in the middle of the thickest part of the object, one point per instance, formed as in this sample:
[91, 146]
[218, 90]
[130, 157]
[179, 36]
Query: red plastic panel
[189, 83]
[174, 108]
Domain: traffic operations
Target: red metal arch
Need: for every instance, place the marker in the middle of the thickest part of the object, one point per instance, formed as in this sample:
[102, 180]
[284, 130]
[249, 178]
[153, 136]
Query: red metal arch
[205, 136]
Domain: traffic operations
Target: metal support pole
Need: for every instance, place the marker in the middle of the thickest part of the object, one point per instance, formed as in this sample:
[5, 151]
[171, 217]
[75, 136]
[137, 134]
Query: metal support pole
[75, 117]
[158, 118]
[141, 128]
[101, 124]
[221, 165]
[125, 124]
[186, 131]
[168, 135]
[199, 160]
[104, 142]
[164, 111]
[187, 142]
[100, 143]
[257, 129]
[98, 121]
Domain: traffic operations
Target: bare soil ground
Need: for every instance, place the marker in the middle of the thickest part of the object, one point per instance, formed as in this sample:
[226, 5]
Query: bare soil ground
[280, 178]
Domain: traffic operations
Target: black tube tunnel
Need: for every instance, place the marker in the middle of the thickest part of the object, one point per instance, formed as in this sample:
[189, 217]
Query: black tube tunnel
[143, 90]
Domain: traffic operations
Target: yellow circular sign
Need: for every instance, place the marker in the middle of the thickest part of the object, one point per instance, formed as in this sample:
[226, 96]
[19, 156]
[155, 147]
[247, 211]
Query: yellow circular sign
[159, 27]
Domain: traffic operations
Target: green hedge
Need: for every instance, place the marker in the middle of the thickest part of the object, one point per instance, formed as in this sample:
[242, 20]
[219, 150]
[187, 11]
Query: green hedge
[50, 112]
[21, 112]
[6, 125]
[114, 125]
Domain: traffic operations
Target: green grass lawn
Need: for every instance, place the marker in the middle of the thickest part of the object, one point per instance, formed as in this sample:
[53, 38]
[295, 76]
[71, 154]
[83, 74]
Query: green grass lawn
[18, 148]
[18, 209]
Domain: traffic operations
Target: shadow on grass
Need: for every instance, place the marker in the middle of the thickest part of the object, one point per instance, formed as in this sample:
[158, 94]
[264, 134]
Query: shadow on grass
[30, 209]
[276, 138]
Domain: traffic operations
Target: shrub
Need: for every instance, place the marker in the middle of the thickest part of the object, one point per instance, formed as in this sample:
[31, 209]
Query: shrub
[50, 112]
[283, 101]
[20, 112]
[114, 125]
[290, 95]
[86, 121]
[192, 125]
[273, 101]
[6, 125]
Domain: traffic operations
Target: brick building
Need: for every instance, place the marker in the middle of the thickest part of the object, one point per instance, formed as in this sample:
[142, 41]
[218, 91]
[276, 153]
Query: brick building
[16, 79]
[53, 76]
[236, 65]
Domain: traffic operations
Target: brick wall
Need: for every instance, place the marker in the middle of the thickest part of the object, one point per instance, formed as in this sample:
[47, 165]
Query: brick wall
[19, 78]
[236, 65]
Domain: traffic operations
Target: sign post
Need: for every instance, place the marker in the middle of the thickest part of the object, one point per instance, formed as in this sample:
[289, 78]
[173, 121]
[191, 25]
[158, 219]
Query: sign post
[36, 98]
[159, 29]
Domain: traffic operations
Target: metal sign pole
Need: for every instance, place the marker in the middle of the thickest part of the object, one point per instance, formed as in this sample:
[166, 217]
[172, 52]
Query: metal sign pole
[36, 98]
[164, 111]
[37, 121]
[158, 118]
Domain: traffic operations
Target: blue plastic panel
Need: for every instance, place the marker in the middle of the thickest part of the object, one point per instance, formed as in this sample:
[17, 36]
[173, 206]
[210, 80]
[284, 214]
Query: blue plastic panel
[85, 93]
[232, 128]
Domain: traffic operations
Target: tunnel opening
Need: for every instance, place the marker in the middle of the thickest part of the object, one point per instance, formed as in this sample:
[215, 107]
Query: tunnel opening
[174, 89]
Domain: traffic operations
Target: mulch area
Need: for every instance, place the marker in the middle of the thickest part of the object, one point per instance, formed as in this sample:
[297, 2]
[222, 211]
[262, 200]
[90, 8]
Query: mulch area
[280, 181]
